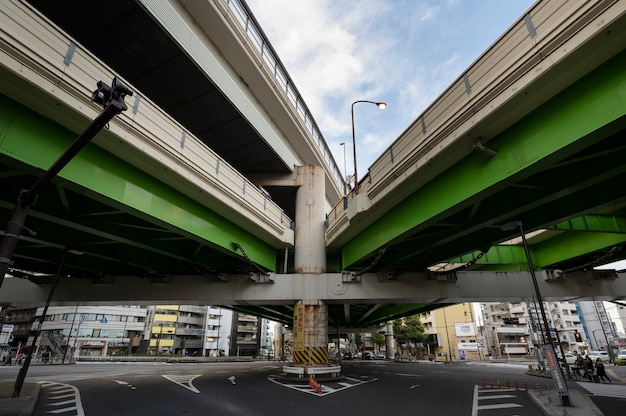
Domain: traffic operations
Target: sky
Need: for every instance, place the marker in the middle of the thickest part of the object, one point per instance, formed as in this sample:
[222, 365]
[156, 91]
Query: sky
[402, 52]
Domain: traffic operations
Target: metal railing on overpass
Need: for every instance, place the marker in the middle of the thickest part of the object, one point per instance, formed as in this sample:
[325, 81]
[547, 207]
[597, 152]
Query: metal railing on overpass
[544, 36]
[270, 58]
[49, 60]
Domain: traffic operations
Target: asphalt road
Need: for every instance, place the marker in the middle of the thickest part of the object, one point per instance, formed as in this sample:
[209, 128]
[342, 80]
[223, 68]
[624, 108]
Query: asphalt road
[370, 388]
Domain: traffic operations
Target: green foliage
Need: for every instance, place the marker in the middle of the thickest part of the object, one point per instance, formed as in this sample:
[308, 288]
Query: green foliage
[358, 339]
[378, 339]
[620, 362]
[409, 329]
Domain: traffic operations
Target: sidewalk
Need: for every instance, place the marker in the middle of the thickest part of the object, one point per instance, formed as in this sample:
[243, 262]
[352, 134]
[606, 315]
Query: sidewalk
[19, 406]
[550, 403]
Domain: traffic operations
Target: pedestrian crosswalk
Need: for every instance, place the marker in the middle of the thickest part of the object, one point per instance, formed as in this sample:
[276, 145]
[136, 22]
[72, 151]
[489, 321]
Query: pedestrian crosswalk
[62, 399]
[604, 389]
[501, 400]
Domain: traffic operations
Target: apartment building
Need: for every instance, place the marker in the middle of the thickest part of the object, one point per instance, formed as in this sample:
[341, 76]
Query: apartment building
[516, 329]
[451, 332]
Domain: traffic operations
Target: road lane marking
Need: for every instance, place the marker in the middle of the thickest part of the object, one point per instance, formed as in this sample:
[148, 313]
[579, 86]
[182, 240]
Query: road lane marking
[57, 391]
[327, 387]
[185, 381]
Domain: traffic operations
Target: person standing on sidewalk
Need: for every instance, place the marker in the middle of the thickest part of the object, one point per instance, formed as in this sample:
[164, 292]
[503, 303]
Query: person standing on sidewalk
[601, 372]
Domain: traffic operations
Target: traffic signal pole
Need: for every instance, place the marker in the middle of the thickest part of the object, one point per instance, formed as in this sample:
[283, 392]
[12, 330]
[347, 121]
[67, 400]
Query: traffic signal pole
[112, 98]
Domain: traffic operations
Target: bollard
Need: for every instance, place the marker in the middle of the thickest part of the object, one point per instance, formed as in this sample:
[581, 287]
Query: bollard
[526, 387]
[516, 386]
[508, 385]
[499, 387]
[484, 384]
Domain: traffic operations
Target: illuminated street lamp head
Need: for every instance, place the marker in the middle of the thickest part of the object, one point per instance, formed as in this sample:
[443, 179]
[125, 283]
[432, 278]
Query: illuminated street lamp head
[381, 105]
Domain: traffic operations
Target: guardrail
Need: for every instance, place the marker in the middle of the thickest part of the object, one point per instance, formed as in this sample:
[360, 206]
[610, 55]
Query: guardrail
[484, 87]
[37, 51]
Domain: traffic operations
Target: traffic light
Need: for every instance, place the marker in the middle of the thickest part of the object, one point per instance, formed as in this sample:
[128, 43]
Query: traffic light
[578, 337]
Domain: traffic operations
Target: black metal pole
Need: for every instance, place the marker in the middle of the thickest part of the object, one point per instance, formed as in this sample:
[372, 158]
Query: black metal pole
[113, 100]
[19, 382]
[518, 224]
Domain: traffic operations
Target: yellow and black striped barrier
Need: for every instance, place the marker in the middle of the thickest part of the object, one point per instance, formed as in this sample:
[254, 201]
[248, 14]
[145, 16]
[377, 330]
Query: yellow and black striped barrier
[316, 355]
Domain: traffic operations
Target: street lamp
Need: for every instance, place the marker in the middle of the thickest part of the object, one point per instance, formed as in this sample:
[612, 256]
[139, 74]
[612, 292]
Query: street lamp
[19, 382]
[378, 104]
[557, 372]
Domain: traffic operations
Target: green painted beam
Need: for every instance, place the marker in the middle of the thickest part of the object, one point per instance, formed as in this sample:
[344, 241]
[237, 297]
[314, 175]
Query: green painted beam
[37, 141]
[606, 223]
[573, 244]
[500, 258]
[591, 103]
[546, 253]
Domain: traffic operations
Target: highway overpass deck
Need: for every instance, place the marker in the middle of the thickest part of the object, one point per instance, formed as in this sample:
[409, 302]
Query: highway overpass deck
[532, 131]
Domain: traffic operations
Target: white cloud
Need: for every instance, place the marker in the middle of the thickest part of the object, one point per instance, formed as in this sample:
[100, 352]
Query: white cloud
[404, 52]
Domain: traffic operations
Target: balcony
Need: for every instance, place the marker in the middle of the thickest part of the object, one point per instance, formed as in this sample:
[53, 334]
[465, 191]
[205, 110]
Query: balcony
[196, 332]
[246, 328]
[17, 319]
[192, 320]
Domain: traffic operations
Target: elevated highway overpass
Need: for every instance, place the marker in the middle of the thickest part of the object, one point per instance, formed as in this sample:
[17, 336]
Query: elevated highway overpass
[192, 195]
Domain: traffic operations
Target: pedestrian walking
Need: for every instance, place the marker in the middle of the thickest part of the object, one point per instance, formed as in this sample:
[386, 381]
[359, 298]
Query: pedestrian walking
[6, 357]
[601, 371]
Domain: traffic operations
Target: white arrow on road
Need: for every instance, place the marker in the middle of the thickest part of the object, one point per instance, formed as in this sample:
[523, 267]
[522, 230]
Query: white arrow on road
[123, 383]
[232, 380]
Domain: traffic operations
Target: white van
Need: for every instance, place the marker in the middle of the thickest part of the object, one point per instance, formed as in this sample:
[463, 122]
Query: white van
[602, 355]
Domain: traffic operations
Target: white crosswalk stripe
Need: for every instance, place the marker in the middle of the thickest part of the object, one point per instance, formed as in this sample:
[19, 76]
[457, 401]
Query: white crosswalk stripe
[484, 397]
[64, 398]
[604, 389]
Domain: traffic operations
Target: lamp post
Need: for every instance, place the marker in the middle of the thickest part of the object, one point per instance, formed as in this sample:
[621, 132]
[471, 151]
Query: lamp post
[557, 372]
[19, 382]
[378, 104]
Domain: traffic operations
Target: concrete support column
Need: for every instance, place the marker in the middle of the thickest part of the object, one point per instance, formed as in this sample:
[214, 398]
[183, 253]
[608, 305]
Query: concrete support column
[390, 344]
[310, 247]
[310, 318]
[310, 333]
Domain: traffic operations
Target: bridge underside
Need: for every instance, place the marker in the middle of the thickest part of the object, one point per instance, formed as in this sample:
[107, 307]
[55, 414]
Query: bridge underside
[124, 220]
[559, 169]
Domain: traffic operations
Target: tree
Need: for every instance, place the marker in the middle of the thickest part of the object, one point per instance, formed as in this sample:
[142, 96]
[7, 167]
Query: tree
[378, 339]
[409, 329]
[358, 340]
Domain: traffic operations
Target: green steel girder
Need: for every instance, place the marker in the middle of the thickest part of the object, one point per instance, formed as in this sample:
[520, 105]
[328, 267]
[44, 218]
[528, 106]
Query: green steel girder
[596, 222]
[574, 244]
[100, 195]
[550, 143]
[546, 253]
